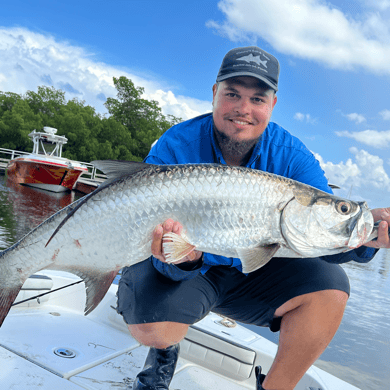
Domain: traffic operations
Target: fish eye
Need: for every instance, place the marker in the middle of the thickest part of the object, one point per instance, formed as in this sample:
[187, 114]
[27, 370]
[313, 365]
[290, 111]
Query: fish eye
[343, 207]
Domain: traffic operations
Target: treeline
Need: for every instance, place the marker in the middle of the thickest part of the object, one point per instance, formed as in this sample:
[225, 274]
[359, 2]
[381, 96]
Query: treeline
[127, 133]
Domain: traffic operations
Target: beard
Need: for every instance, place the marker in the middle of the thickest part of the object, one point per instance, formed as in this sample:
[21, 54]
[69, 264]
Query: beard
[233, 148]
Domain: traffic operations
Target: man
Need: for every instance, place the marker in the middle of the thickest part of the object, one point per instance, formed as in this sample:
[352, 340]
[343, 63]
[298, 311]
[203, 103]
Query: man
[303, 298]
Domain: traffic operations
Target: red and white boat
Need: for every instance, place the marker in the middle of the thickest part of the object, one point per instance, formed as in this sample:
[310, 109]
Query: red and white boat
[45, 168]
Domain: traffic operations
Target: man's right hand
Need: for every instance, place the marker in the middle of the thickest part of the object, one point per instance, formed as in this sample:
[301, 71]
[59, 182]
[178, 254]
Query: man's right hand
[157, 248]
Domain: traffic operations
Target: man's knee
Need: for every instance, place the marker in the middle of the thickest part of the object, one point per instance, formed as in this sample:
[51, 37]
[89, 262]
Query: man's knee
[330, 297]
[335, 299]
[159, 334]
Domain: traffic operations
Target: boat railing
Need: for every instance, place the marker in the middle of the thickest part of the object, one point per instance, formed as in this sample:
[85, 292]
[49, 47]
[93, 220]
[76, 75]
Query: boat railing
[92, 172]
[13, 153]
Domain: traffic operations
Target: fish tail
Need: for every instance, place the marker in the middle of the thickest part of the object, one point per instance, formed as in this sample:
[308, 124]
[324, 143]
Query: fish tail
[7, 298]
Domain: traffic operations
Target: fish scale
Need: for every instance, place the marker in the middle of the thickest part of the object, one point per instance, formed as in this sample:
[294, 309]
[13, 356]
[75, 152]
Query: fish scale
[227, 211]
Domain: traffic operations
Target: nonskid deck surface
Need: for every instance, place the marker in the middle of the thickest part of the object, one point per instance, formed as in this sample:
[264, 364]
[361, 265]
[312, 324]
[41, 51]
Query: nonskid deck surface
[118, 373]
[52, 345]
[105, 358]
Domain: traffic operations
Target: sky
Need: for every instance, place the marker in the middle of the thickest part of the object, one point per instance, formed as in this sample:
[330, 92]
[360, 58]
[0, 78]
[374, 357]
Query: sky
[334, 85]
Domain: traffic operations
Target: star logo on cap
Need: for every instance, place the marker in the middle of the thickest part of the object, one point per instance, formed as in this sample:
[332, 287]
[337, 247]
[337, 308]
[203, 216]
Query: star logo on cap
[255, 59]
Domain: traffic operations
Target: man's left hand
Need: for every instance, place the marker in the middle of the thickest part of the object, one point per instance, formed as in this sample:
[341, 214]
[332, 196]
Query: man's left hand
[383, 240]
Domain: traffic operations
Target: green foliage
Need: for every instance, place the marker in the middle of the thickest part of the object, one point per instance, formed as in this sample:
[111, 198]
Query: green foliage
[143, 119]
[127, 134]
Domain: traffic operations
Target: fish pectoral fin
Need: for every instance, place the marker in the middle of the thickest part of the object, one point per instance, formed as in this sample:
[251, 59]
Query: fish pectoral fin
[7, 298]
[254, 258]
[176, 247]
[96, 285]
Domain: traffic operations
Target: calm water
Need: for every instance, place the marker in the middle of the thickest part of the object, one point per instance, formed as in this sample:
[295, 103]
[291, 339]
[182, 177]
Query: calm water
[360, 351]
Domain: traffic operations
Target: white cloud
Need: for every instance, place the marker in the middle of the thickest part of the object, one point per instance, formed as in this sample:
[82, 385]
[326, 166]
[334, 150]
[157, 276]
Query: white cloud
[305, 117]
[363, 177]
[357, 118]
[385, 114]
[382, 5]
[30, 59]
[371, 167]
[310, 29]
[299, 116]
[341, 173]
[179, 106]
[374, 138]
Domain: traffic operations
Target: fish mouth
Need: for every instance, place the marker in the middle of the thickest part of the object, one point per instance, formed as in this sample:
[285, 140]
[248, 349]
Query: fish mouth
[354, 221]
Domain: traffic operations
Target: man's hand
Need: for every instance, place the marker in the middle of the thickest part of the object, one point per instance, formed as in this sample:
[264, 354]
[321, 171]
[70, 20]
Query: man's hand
[167, 227]
[383, 240]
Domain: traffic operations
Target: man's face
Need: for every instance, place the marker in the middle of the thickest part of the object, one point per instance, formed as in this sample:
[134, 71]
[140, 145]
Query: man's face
[242, 108]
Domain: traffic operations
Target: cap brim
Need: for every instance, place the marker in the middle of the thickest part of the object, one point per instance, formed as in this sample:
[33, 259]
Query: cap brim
[250, 74]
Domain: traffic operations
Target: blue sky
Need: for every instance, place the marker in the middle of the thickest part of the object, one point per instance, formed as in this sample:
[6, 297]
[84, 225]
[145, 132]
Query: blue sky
[334, 56]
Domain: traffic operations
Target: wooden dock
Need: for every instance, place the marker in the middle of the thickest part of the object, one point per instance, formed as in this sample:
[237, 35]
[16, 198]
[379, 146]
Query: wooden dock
[86, 186]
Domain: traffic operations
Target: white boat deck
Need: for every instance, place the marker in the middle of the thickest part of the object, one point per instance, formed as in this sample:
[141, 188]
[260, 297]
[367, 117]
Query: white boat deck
[212, 355]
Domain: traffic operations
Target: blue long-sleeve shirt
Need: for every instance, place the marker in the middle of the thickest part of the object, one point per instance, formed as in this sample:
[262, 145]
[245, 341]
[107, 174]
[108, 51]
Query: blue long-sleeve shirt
[277, 151]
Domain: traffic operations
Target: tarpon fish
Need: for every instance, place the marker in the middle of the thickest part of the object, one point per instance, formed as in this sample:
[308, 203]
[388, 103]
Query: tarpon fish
[230, 211]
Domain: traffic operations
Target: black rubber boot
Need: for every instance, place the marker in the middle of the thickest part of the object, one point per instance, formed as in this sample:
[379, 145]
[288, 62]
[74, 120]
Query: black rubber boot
[259, 378]
[158, 370]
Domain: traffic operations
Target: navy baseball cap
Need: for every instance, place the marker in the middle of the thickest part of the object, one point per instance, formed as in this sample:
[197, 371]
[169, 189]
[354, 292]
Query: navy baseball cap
[250, 61]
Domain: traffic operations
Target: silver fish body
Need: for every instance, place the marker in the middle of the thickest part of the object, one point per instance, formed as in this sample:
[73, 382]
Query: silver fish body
[228, 211]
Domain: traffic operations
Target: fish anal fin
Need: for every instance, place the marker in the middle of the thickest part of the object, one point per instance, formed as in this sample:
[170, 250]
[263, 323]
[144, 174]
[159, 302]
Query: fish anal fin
[176, 247]
[7, 298]
[254, 258]
[97, 285]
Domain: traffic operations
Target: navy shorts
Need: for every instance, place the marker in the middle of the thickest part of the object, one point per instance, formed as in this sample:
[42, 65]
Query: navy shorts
[146, 296]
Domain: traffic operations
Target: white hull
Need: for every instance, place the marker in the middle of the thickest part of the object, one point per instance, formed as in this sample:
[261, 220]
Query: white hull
[212, 355]
[48, 187]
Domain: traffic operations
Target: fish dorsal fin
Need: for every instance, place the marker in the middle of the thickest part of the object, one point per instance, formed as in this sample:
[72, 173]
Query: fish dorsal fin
[254, 258]
[118, 168]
